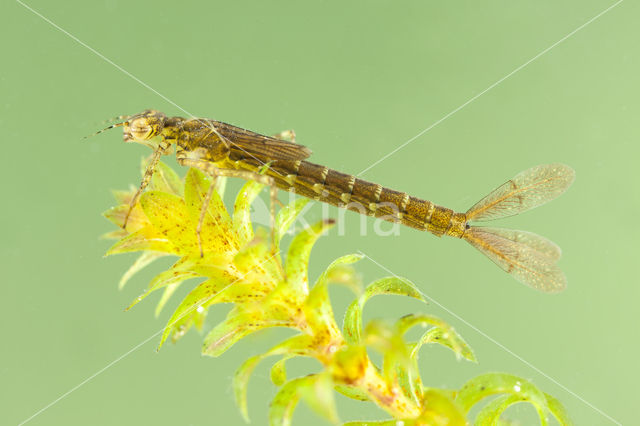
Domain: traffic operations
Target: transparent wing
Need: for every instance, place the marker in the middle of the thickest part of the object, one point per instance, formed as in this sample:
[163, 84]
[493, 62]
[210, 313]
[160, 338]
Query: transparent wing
[245, 143]
[536, 242]
[530, 258]
[527, 190]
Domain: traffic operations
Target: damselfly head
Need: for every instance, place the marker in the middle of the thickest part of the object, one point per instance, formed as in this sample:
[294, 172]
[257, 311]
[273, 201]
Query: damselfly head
[144, 126]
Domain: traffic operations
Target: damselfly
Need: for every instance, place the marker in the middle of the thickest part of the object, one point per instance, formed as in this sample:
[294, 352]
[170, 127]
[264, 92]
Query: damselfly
[221, 149]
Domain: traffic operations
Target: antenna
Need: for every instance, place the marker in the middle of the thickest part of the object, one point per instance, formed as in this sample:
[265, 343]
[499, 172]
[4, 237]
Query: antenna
[120, 124]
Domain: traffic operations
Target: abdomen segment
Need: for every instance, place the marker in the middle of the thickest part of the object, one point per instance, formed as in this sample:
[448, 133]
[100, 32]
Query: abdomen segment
[346, 191]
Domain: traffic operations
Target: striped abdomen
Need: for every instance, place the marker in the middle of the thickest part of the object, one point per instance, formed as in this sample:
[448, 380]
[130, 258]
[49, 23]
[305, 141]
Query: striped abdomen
[346, 191]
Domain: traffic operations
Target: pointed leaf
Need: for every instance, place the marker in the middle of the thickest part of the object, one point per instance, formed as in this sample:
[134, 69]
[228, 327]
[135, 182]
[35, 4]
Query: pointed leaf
[240, 382]
[386, 339]
[221, 185]
[180, 271]
[137, 219]
[409, 321]
[166, 295]
[242, 211]
[352, 392]
[559, 412]
[216, 234]
[165, 179]
[235, 327]
[347, 276]
[393, 285]
[298, 256]
[440, 410]
[317, 307]
[192, 307]
[257, 257]
[278, 373]
[141, 262]
[287, 215]
[169, 216]
[284, 403]
[352, 326]
[123, 197]
[114, 235]
[490, 413]
[145, 239]
[442, 333]
[294, 346]
[317, 392]
[494, 383]
[336, 272]
[408, 377]
[446, 337]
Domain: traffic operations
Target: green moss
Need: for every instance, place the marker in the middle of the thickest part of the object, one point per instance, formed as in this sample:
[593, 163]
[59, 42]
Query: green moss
[245, 270]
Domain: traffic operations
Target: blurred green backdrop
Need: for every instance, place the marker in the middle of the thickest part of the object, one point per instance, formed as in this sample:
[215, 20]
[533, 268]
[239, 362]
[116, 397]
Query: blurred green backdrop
[355, 80]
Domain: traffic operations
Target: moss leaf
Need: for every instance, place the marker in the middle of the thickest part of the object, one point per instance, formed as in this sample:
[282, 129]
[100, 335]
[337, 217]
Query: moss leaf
[500, 383]
[318, 394]
[180, 271]
[278, 372]
[352, 392]
[145, 239]
[287, 215]
[141, 262]
[216, 233]
[558, 410]
[257, 258]
[298, 257]
[170, 217]
[240, 382]
[228, 332]
[242, 211]
[166, 295]
[165, 179]
[317, 307]
[192, 308]
[137, 219]
[440, 410]
[317, 390]
[238, 324]
[336, 272]
[386, 339]
[447, 337]
[299, 345]
[352, 326]
[490, 413]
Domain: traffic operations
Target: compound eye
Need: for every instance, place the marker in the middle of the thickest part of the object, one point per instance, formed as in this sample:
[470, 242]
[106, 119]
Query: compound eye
[140, 129]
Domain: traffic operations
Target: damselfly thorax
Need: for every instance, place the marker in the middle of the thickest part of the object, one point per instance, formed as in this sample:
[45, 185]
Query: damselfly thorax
[221, 149]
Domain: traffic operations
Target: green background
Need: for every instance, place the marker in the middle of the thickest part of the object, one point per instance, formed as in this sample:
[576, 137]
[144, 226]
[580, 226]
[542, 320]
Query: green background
[355, 80]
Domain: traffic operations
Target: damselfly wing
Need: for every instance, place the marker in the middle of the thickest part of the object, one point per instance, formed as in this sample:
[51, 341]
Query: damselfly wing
[530, 258]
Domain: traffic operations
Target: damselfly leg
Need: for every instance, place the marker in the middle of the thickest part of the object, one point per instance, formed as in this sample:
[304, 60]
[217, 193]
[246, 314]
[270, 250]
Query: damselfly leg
[148, 174]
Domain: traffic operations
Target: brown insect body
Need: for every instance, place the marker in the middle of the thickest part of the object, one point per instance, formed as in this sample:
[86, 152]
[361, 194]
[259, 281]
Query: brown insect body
[346, 191]
[221, 149]
[197, 138]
